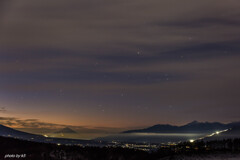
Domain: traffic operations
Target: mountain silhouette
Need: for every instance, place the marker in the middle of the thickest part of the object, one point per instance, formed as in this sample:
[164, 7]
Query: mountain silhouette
[13, 133]
[66, 130]
[193, 127]
[10, 132]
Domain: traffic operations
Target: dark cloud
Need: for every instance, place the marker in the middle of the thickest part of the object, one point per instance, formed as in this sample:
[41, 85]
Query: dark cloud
[106, 26]
[2, 109]
[205, 22]
[27, 123]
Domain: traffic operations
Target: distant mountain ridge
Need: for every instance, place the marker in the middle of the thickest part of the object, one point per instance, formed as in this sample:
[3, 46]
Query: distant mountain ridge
[193, 127]
[66, 130]
[10, 132]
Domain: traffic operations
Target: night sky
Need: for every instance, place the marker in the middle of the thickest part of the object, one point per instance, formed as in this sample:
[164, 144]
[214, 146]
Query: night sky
[118, 64]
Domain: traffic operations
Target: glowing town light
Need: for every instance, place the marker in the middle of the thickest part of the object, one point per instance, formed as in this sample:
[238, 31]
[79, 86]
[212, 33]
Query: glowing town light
[191, 140]
[217, 132]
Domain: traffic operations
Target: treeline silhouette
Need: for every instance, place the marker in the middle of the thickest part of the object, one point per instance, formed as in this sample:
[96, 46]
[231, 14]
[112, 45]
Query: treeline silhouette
[44, 151]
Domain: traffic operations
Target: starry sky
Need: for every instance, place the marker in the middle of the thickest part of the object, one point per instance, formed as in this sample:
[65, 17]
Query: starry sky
[104, 64]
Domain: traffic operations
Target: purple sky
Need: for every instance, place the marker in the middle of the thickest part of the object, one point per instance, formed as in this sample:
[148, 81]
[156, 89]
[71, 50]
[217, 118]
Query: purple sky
[121, 63]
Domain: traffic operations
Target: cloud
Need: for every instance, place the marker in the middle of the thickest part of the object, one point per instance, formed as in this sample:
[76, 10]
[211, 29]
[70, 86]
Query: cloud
[2, 109]
[27, 123]
[35, 124]
[203, 22]
[104, 27]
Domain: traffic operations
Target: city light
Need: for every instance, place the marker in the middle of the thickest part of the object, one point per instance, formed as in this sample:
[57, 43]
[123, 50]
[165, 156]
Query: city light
[191, 140]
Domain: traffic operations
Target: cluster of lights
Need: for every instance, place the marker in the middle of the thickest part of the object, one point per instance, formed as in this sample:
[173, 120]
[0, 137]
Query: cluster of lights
[215, 133]
[191, 140]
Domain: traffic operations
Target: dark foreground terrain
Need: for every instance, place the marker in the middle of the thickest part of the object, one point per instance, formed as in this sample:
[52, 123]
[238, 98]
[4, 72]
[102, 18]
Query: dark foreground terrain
[12, 149]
